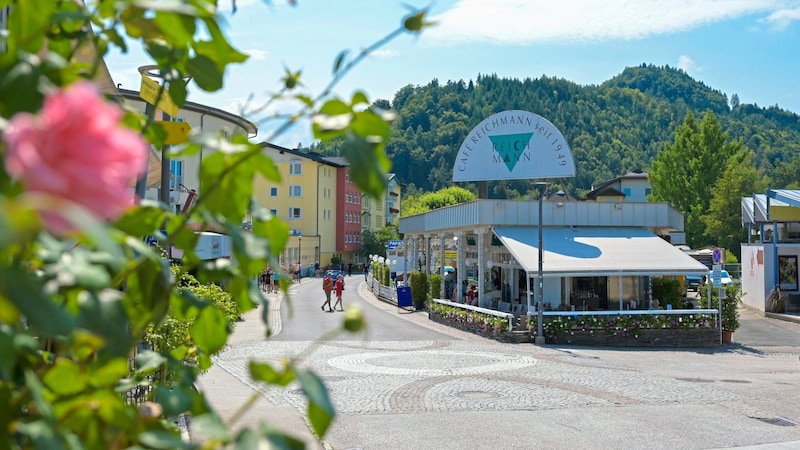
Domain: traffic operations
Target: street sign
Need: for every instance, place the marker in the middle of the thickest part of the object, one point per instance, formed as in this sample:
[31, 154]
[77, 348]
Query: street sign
[716, 256]
[393, 244]
[716, 274]
[148, 91]
[177, 132]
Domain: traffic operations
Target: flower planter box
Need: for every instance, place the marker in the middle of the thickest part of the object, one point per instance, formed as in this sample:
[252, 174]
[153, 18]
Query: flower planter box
[480, 329]
[691, 337]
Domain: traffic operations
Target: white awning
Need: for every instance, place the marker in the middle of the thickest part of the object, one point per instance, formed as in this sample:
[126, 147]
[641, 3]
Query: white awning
[590, 251]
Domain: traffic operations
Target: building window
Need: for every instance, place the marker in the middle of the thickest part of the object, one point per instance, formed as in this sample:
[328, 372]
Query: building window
[295, 168]
[273, 192]
[648, 191]
[176, 172]
[627, 192]
[295, 191]
[274, 212]
[295, 213]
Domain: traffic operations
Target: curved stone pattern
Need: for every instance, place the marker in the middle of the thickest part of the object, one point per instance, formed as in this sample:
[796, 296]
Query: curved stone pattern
[409, 377]
[430, 363]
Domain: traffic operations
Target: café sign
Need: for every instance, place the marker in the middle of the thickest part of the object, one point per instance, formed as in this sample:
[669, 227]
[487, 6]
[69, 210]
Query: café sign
[513, 145]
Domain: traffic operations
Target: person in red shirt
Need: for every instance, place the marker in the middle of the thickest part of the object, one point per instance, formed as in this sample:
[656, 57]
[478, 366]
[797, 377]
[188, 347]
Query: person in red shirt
[327, 287]
[339, 288]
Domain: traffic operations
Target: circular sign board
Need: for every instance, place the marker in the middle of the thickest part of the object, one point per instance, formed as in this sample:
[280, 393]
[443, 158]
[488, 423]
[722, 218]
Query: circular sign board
[716, 256]
[513, 145]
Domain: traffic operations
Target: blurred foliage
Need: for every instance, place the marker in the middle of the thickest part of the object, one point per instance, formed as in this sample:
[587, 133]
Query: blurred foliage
[73, 311]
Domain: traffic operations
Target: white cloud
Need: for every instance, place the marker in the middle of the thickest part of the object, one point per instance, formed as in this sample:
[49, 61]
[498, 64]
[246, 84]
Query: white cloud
[783, 18]
[526, 22]
[256, 54]
[687, 64]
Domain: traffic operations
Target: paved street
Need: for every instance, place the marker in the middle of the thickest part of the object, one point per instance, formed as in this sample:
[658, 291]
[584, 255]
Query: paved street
[417, 384]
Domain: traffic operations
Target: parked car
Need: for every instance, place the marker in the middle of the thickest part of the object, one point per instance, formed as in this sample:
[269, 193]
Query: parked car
[334, 273]
[693, 282]
[724, 278]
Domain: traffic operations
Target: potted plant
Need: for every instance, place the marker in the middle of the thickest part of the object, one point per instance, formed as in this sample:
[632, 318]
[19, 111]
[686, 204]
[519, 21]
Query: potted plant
[730, 314]
[730, 310]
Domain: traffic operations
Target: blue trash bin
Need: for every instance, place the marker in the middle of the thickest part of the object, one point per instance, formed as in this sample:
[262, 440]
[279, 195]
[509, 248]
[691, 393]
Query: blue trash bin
[404, 296]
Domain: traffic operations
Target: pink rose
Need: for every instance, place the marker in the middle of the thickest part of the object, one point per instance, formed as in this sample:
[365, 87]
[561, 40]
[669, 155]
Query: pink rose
[76, 150]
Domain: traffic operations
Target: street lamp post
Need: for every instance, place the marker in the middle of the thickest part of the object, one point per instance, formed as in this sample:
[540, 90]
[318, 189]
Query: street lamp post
[540, 295]
[299, 259]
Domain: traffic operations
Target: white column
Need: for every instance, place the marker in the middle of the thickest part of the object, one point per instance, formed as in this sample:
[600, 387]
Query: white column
[481, 269]
[442, 293]
[460, 268]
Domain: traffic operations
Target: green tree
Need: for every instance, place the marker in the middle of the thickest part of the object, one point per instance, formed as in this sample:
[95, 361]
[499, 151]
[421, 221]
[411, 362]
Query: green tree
[685, 171]
[433, 200]
[723, 219]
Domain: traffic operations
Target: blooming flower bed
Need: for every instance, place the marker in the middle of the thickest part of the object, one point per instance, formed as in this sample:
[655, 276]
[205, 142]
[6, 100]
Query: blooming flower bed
[634, 330]
[484, 324]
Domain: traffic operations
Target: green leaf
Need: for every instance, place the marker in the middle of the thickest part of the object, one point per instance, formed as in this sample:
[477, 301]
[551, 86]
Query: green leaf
[218, 49]
[147, 295]
[274, 230]
[364, 149]
[320, 408]
[41, 433]
[266, 167]
[242, 290]
[104, 315]
[340, 61]
[148, 361]
[163, 439]
[65, 378]
[177, 29]
[41, 313]
[177, 90]
[359, 98]
[174, 401]
[43, 407]
[108, 373]
[227, 184]
[205, 73]
[210, 330]
[211, 427]
[262, 371]
[27, 23]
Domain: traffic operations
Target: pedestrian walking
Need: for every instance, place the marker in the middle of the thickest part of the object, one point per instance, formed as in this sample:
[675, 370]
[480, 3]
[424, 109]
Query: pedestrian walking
[263, 279]
[268, 280]
[339, 288]
[349, 269]
[327, 287]
[276, 280]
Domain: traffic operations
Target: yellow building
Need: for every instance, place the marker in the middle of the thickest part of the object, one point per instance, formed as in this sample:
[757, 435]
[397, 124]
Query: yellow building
[305, 199]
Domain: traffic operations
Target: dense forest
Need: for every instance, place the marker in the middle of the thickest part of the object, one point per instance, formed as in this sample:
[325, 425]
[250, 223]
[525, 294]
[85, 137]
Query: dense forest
[613, 128]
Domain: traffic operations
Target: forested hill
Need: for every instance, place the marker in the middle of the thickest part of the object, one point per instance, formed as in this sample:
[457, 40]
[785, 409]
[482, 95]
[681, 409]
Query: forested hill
[612, 128]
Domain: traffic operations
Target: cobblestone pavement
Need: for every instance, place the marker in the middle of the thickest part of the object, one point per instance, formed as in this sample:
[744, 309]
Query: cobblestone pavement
[727, 397]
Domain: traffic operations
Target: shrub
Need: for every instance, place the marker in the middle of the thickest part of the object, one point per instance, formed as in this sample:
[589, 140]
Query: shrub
[730, 305]
[174, 333]
[419, 288]
[435, 282]
[668, 292]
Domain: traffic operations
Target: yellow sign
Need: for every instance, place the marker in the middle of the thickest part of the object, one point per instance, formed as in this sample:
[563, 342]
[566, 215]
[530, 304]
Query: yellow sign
[149, 93]
[177, 132]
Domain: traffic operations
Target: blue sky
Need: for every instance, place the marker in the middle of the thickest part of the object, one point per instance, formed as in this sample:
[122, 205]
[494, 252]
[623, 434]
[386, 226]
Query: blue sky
[747, 47]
